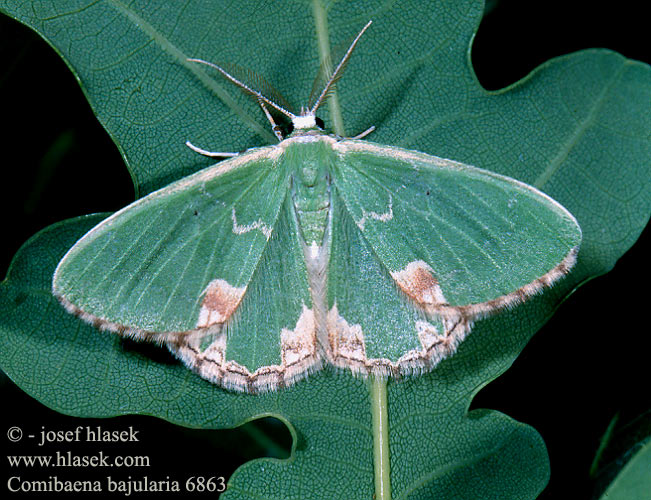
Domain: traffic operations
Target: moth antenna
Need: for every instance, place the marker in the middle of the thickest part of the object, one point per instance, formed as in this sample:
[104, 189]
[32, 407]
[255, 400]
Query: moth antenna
[246, 88]
[322, 76]
[338, 71]
[257, 81]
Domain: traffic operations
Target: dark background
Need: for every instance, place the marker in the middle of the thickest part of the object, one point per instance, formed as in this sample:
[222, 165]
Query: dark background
[58, 163]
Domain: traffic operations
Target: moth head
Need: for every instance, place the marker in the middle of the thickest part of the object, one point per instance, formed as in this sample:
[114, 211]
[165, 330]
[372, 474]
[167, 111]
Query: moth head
[307, 120]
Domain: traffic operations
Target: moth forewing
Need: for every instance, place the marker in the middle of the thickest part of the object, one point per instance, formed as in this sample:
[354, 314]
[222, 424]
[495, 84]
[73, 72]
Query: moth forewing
[472, 228]
[146, 268]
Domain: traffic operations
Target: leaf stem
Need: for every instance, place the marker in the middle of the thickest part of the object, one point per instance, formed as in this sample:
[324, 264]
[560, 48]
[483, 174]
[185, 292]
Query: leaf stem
[381, 465]
[323, 39]
[605, 440]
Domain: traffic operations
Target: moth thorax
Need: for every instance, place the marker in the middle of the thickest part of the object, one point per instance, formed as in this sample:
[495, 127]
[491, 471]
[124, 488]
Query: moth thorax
[306, 121]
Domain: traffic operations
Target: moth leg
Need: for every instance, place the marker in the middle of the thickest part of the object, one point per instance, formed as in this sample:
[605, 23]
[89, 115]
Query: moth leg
[358, 136]
[364, 134]
[210, 154]
[274, 126]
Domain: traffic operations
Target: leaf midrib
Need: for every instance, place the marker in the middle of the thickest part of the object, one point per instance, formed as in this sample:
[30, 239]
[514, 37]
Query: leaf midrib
[579, 131]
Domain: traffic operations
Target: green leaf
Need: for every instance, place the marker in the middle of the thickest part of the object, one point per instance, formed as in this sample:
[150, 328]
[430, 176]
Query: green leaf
[577, 128]
[622, 465]
[634, 480]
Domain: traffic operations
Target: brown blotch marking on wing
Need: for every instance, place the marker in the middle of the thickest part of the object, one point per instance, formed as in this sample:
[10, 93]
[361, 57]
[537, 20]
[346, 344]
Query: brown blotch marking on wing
[219, 303]
[346, 343]
[417, 281]
[298, 346]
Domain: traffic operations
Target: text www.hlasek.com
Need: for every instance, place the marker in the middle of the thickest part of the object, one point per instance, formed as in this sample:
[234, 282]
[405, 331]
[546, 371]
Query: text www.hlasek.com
[69, 459]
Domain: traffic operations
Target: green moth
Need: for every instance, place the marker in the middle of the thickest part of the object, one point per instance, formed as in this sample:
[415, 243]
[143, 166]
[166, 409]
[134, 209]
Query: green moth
[318, 250]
